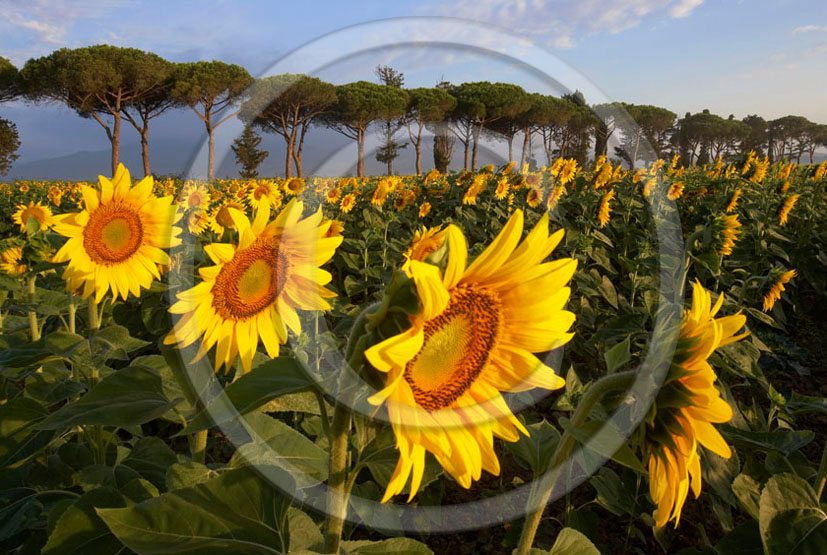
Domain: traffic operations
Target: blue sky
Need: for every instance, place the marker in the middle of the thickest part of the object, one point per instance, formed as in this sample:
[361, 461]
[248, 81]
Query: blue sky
[731, 56]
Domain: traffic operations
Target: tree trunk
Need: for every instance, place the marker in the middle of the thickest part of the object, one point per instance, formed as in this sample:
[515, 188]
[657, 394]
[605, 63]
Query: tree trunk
[116, 142]
[524, 155]
[510, 149]
[288, 156]
[297, 156]
[634, 154]
[145, 149]
[466, 144]
[417, 148]
[211, 149]
[360, 141]
[474, 150]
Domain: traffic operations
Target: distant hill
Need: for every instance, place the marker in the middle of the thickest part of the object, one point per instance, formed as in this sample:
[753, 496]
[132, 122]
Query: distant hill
[325, 152]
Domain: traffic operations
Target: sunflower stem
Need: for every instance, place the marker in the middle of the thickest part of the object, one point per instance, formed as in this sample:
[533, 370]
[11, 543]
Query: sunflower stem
[821, 477]
[94, 319]
[596, 391]
[33, 327]
[199, 446]
[337, 477]
[73, 308]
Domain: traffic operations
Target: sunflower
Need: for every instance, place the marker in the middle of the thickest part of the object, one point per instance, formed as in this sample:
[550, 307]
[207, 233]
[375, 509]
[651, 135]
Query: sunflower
[473, 338]
[197, 222]
[733, 201]
[348, 202]
[686, 407]
[424, 209]
[425, 242]
[502, 189]
[554, 197]
[117, 241]
[380, 194]
[557, 166]
[256, 286]
[789, 202]
[776, 281]
[294, 186]
[10, 261]
[195, 197]
[264, 189]
[604, 214]
[726, 231]
[35, 210]
[534, 197]
[675, 190]
[220, 217]
[333, 195]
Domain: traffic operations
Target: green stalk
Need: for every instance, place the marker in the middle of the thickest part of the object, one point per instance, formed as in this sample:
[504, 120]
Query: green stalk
[34, 328]
[598, 389]
[337, 481]
[199, 446]
[94, 318]
[73, 308]
[821, 477]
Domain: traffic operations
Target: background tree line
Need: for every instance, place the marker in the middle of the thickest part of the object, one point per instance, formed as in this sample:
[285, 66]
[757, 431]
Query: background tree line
[112, 85]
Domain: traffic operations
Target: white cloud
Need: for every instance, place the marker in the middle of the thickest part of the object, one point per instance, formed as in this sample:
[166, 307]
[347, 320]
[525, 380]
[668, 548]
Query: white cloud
[684, 8]
[563, 22]
[809, 29]
[45, 23]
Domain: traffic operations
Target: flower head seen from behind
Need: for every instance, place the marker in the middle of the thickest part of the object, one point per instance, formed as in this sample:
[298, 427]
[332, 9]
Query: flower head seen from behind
[726, 230]
[776, 281]
[117, 242]
[11, 261]
[784, 213]
[256, 286]
[604, 214]
[687, 406]
[474, 337]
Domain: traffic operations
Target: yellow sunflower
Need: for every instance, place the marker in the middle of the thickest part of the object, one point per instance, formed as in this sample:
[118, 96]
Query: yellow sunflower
[675, 190]
[197, 222]
[195, 197]
[789, 202]
[348, 202]
[425, 242]
[568, 171]
[255, 287]
[220, 217]
[727, 229]
[118, 240]
[294, 186]
[10, 261]
[605, 212]
[554, 197]
[686, 407]
[502, 189]
[333, 195]
[264, 189]
[424, 209]
[776, 280]
[35, 210]
[472, 339]
[534, 197]
[733, 201]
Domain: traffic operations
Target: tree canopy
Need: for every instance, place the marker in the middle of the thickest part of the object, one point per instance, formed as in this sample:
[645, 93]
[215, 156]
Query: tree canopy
[8, 80]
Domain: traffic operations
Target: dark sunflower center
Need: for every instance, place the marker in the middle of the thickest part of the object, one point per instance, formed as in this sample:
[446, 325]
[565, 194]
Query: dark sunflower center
[251, 281]
[456, 347]
[113, 234]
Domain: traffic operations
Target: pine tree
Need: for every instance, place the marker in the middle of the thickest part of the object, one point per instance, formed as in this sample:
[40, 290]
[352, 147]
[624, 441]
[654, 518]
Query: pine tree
[247, 155]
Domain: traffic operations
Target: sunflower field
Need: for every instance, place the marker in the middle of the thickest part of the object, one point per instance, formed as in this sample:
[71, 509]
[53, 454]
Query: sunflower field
[618, 361]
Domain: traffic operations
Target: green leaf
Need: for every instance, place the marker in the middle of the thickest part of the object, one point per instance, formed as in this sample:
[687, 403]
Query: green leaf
[791, 520]
[745, 539]
[537, 448]
[618, 356]
[236, 513]
[181, 475]
[571, 542]
[596, 436]
[150, 457]
[396, 546]
[615, 495]
[80, 531]
[254, 389]
[748, 492]
[781, 440]
[19, 435]
[277, 444]
[304, 533]
[18, 510]
[129, 397]
[114, 342]
[608, 291]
